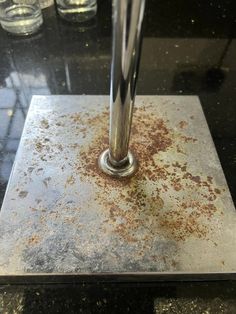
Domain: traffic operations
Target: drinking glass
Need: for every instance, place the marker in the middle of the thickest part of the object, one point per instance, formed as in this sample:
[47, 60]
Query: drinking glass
[45, 3]
[77, 10]
[21, 17]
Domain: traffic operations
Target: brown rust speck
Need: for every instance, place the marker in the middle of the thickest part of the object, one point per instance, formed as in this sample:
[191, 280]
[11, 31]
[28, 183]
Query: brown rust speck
[23, 194]
[39, 146]
[46, 181]
[183, 124]
[44, 124]
[193, 178]
[188, 139]
[70, 180]
[33, 240]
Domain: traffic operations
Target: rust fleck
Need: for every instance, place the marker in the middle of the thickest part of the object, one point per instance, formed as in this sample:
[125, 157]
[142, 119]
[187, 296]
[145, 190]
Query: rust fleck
[44, 124]
[180, 150]
[76, 117]
[70, 180]
[30, 169]
[209, 179]
[70, 220]
[39, 146]
[195, 179]
[34, 239]
[46, 181]
[60, 147]
[183, 124]
[23, 194]
[59, 124]
[188, 139]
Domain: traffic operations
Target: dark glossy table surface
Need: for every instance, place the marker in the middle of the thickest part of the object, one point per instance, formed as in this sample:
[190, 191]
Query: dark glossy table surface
[189, 47]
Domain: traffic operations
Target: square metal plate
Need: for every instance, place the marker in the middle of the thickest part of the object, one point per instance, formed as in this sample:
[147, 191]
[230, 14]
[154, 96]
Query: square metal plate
[62, 217]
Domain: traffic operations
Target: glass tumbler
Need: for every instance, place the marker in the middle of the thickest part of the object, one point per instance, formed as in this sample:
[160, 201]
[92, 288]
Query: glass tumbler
[77, 10]
[45, 3]
[21, 17]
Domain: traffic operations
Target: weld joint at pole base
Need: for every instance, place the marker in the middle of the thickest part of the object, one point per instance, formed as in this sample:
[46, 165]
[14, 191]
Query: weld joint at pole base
[125, 170]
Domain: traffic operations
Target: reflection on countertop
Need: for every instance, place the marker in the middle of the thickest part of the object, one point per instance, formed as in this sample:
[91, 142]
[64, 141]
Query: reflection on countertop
[171, 298]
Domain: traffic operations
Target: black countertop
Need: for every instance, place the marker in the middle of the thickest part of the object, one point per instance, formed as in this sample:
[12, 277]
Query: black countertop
[189, 47]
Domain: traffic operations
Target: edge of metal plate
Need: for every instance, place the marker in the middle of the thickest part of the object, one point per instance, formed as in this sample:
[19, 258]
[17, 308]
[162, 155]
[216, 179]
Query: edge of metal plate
[178, 122]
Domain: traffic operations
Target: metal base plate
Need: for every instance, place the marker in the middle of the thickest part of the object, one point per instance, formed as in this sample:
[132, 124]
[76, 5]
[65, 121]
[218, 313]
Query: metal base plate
[174, 219]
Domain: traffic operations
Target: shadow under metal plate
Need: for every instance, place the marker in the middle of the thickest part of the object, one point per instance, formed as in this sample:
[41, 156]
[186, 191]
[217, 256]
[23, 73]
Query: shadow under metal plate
[62, 219]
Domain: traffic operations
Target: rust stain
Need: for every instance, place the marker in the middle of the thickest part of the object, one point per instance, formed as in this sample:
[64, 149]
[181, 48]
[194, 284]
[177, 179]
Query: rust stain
[145, 209]
[183, 124]
[23, 194]
[188, 139]
[39, 146]
[45, 149]
[44, 124]
[33, 240]
[46, 181]
[150, 136]
[70, 180]
[136, 208]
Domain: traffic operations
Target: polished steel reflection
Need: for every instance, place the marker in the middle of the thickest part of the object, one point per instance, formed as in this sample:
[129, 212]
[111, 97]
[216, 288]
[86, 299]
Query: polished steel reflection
[125, 170]
[126, 46]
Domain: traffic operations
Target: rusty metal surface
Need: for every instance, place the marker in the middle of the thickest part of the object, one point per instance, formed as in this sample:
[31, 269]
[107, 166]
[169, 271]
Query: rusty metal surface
[61, 215]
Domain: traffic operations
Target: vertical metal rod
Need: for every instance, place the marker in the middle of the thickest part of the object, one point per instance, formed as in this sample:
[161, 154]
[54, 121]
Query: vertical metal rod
[126, 47]
[127, 22]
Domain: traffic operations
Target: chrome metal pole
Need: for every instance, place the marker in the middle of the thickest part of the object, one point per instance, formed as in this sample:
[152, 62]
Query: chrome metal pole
[126, 46]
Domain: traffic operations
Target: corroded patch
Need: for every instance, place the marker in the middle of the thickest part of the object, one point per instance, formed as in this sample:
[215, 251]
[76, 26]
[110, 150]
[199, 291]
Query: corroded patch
[150, 136]
[62, 215]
